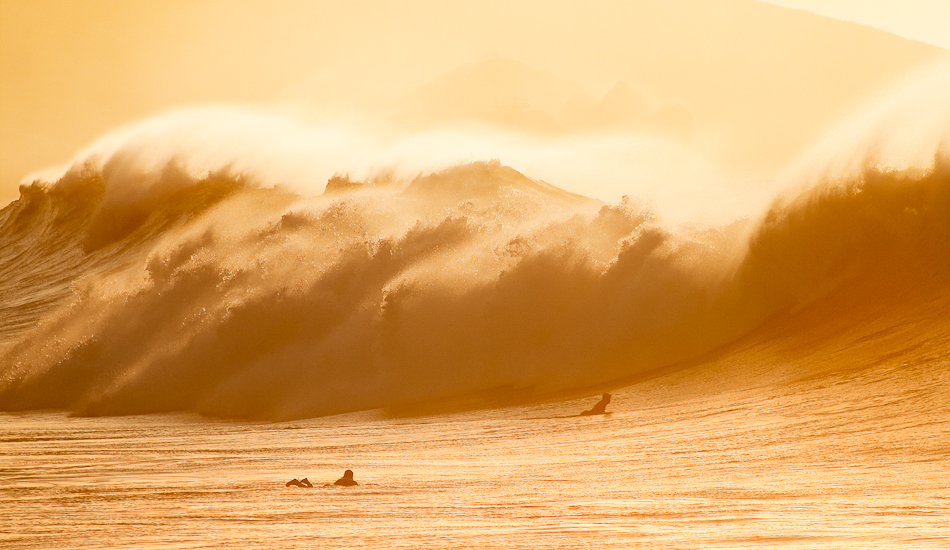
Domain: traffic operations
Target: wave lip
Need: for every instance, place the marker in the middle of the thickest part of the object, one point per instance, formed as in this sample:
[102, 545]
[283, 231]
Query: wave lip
[473, 285]
[472, 280]
[134, 287]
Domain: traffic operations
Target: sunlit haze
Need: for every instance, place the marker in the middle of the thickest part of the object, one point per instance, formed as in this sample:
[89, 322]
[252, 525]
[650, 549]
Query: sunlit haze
[498, 274]
[921, 20]
[72, 71]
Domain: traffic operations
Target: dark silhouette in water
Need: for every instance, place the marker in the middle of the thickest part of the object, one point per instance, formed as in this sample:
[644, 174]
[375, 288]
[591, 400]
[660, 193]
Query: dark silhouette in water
[600, 407]
[347, 479]
[301, 483]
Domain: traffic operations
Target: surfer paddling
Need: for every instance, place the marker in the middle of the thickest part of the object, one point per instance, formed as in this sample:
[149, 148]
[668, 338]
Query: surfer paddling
[600, 407]
[345, 481]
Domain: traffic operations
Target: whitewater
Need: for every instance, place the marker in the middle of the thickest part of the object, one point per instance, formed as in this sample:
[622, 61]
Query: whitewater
[202, 306]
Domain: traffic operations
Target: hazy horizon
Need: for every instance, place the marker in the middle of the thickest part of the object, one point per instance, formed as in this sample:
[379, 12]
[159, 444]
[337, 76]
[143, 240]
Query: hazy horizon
[65, 90]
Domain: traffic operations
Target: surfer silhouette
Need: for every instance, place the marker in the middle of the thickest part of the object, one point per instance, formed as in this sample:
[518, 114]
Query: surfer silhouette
[299, 483]
[600, 407]
[347, 479]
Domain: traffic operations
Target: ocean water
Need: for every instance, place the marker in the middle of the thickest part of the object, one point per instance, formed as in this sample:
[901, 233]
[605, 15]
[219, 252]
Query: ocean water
[183, 329]
[784, 466]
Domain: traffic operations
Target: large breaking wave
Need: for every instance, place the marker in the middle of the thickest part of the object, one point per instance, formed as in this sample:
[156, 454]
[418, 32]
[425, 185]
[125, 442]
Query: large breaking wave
[154, 275]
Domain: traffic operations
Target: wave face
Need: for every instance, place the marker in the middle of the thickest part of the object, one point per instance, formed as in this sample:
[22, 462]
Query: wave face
[138, 283]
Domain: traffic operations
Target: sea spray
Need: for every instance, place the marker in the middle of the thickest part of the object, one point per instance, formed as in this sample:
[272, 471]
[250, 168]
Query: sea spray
[194, 277]
[233, 300]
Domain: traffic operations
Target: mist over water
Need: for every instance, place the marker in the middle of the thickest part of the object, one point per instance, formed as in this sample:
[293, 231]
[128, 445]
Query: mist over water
[200, 261]
[416, 240]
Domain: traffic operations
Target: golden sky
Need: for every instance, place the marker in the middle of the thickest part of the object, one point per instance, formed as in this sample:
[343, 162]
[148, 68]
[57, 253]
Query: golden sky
[922, 20]
[71, 70]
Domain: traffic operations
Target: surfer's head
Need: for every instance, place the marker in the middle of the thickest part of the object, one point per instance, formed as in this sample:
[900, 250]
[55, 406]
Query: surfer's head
[348, 474]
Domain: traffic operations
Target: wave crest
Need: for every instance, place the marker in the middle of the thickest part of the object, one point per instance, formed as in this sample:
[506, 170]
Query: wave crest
[134, 286]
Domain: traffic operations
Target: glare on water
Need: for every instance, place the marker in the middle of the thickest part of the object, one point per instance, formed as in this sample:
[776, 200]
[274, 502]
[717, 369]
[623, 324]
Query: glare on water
[747, 469]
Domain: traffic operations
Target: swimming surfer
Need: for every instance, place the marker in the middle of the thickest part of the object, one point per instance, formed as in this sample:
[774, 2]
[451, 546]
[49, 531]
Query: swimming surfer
[347, 479]
[600, 407]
